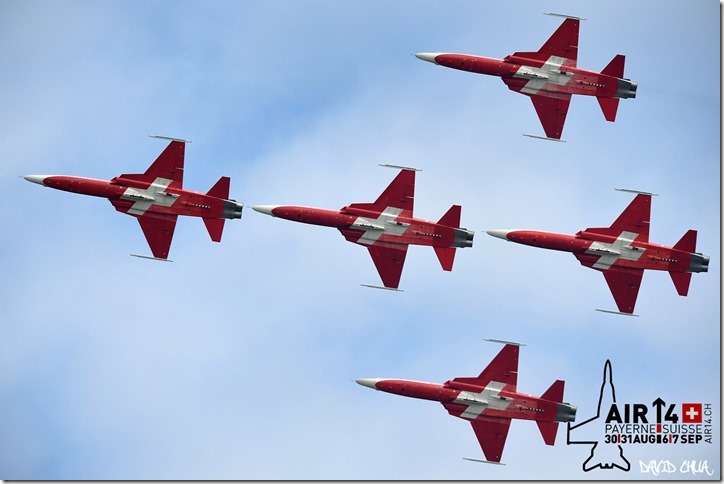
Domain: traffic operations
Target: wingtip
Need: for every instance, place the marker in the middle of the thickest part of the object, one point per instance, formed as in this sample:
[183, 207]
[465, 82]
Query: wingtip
[160, 259]
[482, 461]
[180, 140]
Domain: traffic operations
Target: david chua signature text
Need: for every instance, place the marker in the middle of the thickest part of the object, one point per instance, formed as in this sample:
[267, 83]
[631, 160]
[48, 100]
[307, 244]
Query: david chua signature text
[665, 466]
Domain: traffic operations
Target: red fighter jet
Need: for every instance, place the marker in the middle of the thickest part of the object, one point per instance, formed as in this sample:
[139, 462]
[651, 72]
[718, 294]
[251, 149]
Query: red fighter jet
[550, 76]
[386, 227]
[156, 198]
[490, 401]
[622, 252]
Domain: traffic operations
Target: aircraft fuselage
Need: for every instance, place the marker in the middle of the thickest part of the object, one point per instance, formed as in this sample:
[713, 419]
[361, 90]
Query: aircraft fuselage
[470, 402]
[531, 76]
[386, 228]
[600, 251]
[137, 197]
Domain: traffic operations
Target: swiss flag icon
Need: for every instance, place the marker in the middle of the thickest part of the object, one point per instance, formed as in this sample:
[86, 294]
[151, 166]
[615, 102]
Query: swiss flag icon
[691, 413]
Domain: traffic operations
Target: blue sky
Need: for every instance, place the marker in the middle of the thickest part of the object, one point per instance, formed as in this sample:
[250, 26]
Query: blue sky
[237, 361]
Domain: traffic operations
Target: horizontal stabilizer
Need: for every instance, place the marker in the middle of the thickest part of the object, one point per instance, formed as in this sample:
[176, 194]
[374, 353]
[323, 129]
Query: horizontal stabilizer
[215, 226]
[221, 189]
[615, 67]
[446, 256]
[681, 281]
[548, 430]
[451, 217]
[609, 106]
[688, 242]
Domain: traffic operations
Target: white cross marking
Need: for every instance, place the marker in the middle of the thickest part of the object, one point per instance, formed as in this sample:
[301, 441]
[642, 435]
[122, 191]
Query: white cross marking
[620, 248]
[386, 221]
[478, 402]
[548, 73]
[692, 413]
[153, 195]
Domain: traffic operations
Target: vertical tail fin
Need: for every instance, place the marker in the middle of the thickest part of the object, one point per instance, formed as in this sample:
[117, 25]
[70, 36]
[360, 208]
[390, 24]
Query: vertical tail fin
[451, 217]
[687, 243]
[446, 255]
[548, 430]
[615, 67]
[215, 226]
[609, 106]
[221, 188]
[555, 392]
[681, 280]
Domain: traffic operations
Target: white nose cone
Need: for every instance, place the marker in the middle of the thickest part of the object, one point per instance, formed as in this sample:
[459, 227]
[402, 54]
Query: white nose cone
[36, 179]
[501, 234]
[267, 209]
[369, 382]
[429, 57]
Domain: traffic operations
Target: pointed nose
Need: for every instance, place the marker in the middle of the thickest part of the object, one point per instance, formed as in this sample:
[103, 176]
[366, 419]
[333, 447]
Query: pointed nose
[267, 209]
[501, 234]
[429, 57]
[36, 179]
[369, 382]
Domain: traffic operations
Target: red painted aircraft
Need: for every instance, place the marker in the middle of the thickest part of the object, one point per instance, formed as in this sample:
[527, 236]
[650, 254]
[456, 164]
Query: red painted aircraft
[386, 227]
[490, 401]
[550, 76]
[156, 198]
[622, 251]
